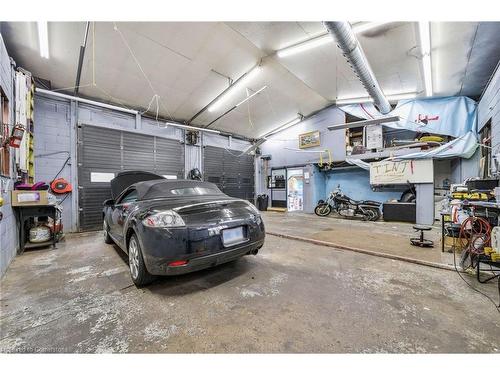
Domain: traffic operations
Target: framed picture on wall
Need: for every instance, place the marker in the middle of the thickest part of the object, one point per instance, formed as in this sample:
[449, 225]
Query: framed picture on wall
[311, 139]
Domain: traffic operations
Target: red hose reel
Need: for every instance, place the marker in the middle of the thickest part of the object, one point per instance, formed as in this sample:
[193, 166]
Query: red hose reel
[475, 234]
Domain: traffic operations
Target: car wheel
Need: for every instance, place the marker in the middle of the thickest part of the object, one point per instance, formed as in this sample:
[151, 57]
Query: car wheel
[408, 197]
[138, 272]
[107, 237]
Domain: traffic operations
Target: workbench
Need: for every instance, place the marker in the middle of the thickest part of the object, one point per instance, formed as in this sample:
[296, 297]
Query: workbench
[483, 208]
[24, 213]
[484, 259]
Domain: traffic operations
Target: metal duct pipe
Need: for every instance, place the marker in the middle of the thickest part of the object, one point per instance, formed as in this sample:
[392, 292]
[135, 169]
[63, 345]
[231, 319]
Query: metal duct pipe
[348, 43]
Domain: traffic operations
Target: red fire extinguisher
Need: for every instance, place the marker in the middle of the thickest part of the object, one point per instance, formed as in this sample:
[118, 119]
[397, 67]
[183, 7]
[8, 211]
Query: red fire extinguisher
[17, 136]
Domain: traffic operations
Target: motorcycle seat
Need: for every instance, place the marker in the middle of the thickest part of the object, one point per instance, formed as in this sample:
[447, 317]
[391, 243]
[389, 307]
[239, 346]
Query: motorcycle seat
[370, 202]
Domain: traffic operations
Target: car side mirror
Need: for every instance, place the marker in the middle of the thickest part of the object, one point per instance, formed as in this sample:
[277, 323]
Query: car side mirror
[109, 202]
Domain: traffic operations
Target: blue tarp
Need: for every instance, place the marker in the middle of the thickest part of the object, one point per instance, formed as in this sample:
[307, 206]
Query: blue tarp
[359, 163]
[453, 116]
[463, 147]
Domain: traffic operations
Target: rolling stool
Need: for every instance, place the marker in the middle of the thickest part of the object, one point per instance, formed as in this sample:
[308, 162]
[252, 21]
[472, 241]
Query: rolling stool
[421, 241]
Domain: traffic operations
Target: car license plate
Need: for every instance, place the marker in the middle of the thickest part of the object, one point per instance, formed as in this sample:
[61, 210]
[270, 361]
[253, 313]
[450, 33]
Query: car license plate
[233, 236]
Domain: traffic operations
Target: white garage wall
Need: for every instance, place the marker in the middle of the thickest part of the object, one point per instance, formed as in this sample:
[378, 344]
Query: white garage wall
[489, 108]
[8, 227]
[54, 131]
[55, 140]
[278, 145]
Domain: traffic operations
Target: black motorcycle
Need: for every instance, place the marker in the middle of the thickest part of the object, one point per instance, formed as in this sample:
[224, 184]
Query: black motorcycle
[347, 207]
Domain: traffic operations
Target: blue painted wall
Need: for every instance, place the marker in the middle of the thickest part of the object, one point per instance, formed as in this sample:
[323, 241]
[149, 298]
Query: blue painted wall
[356, 184]
[283, 145]
[319, 183]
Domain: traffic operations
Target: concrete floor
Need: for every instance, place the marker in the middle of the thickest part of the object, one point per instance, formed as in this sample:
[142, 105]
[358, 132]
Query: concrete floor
[292, 297]
[390, 238]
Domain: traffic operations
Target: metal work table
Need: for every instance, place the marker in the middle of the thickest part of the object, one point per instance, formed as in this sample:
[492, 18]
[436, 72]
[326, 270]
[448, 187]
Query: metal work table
[484, 207]
[26, 212]
[484, 259]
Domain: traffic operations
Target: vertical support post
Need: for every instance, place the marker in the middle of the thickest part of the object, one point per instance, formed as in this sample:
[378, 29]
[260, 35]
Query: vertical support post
[73, 139]
[138, 122]
[185, 153]
[425, 204]
[201, 155]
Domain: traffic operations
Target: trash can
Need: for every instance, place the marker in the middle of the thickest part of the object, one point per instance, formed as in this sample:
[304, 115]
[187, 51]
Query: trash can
[262, 202]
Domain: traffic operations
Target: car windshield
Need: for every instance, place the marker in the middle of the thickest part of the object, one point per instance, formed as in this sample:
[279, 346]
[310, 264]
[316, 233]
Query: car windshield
[196, 190]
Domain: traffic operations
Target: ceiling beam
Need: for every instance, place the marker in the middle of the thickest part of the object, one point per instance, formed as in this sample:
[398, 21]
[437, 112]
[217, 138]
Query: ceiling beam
[277, 60]
[356, 124]
[80, 59]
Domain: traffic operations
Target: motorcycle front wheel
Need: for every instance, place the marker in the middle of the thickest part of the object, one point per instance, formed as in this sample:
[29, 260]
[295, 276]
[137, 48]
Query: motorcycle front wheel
[323, 209]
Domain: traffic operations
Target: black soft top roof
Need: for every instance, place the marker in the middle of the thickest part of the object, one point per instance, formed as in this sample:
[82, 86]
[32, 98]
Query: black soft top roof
[163, 188]
[124, 179]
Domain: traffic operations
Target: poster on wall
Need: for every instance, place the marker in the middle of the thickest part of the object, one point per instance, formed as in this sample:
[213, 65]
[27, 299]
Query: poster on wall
[402, 172]
[295, 190]
[311, 139]
[374, 138]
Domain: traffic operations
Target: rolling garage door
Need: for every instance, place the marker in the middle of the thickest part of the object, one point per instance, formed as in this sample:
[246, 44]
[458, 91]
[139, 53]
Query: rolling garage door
[231, 172]
[102, 153]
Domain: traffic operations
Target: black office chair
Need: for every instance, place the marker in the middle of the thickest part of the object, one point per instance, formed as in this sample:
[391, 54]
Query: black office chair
[421, 241]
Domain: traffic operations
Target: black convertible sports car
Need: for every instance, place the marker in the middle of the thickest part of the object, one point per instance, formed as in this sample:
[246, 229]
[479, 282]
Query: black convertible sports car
[170, 227]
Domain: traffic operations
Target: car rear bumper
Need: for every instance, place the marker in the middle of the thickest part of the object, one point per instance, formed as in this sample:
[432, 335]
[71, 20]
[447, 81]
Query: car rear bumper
[161, 266]
[197, 245]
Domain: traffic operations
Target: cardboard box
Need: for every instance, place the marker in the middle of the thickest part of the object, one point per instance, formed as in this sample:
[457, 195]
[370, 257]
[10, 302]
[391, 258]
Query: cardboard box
[29, 198]
[451, 241]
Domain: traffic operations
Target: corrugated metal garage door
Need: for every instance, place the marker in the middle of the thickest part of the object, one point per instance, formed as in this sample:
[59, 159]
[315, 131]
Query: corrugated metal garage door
[102, 150]
[231, 172]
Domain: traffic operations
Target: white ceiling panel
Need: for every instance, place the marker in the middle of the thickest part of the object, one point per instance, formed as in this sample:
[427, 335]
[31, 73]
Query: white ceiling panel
[190, 63]
[271, 36]
[326, 71]
[463, 56]
[64, 40]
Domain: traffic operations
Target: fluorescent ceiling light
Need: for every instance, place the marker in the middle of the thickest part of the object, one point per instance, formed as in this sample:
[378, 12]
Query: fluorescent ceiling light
[359, 100]
[43, 38]
[367, 99]
[286, 125]
[251, 96]
[365, 26]
[424, 29]
[323, 39]
[187, 127]
[304, 46]
[231, 90]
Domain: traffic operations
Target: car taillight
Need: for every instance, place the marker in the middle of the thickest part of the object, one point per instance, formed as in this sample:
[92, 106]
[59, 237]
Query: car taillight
[164, 219]
[178, 263]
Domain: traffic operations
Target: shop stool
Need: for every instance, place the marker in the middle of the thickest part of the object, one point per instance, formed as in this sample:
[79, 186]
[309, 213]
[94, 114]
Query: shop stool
[421, 241]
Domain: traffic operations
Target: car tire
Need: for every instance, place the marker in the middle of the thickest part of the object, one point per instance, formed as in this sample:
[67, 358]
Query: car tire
[138, 272]
[408, 197]
[107, 237]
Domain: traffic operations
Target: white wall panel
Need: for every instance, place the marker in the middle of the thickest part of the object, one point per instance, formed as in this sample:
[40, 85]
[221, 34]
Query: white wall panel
[8, 227]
